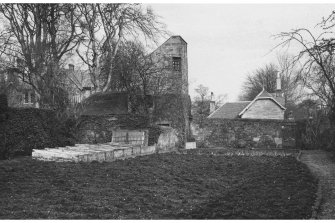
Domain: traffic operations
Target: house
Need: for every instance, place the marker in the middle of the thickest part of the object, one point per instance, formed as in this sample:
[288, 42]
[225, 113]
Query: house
[20, 94]
[77, 83]
[264, 106]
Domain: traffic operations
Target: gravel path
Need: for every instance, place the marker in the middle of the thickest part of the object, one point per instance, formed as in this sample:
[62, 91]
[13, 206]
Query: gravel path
[323, 167]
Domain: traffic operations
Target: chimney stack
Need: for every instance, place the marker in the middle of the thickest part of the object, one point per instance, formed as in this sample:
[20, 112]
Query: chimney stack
[71, 67]
[211, 104]
[278, 88]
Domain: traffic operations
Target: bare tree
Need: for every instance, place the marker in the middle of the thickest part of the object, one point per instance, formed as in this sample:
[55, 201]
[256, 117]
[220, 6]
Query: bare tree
[201, 103]
[38, 36]
[266, 78]
[105, 26]
[317, 59]
[140, 74]
[290, 74]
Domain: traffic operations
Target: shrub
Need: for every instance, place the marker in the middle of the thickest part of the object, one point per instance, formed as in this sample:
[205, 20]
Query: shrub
[3, 107]
[30, 128]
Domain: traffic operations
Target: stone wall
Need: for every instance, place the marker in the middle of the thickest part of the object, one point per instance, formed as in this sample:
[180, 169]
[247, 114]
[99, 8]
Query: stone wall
[261, 109]
[174, 109]
[167, 140]
[171, 109]
[98, 129]
[175, 46]
[248, 133]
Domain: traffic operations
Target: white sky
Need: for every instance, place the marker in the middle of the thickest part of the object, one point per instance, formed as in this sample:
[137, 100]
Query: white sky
[226, 41]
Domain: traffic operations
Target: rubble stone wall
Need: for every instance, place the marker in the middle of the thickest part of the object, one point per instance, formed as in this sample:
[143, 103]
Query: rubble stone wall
[248, 133]
[98, 129]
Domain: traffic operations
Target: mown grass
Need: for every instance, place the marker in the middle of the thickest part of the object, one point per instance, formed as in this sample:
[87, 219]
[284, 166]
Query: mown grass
[164, 186]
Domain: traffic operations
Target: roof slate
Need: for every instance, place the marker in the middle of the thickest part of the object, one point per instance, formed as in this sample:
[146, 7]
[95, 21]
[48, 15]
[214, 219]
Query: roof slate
[229, 110]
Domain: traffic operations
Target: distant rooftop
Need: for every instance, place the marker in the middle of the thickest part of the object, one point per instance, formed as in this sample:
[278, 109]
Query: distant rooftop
[229, 110]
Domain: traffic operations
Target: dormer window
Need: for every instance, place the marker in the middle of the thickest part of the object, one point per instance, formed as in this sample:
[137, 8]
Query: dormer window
[176, 63]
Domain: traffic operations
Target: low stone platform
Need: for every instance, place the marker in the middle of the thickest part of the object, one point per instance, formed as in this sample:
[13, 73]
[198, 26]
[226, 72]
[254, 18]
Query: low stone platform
[92, 152]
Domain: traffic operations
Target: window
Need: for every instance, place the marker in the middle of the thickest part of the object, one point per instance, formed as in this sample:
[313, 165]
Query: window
[26, 97]
[29, 97]
[176, 63]
[32, 97]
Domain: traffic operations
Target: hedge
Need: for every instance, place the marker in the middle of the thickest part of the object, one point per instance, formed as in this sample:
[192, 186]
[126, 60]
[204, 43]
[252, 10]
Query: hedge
[26, 129]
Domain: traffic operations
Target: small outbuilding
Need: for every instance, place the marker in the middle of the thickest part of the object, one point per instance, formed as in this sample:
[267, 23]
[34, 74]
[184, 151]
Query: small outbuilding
[264, 106]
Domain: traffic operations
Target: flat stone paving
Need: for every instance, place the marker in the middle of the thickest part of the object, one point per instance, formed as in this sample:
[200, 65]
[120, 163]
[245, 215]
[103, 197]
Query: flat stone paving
[323, 166]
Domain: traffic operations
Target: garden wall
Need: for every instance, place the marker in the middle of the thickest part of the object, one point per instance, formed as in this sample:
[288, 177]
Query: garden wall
[99, 129]
[248, 133]
[112, 111]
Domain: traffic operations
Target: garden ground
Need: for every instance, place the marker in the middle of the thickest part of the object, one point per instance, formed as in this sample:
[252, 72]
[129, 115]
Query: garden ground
[160, 186]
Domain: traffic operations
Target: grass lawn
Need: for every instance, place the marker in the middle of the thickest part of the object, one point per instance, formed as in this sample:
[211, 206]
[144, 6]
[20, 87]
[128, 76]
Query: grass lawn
[164, 186]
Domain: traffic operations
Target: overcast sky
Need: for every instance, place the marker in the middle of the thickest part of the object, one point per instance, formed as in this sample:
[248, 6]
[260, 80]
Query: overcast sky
[226, 42]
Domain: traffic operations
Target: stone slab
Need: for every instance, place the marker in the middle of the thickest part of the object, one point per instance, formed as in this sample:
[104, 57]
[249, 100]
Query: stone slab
[136, 151]
[148, 150]
[190, 145]
[128, 152]
[92, 152]
[118, 153]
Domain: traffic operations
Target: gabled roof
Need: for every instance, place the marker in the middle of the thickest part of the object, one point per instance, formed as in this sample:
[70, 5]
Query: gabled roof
[177, 36]
[262, 95]
[229, 110]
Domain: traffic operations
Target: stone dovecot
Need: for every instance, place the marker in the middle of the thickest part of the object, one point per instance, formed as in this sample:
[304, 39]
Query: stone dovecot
[172, 55]
[167, 94]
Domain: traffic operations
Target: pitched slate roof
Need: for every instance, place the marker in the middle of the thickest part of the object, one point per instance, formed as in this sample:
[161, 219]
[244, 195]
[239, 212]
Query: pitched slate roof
[262, 95]
[229, 110]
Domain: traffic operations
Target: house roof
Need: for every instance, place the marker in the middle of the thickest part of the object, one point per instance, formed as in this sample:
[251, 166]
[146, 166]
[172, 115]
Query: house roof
[232, 110]
[171, 37]
[280, 99]
[229, 110]
[178, 36]
[262, 95]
